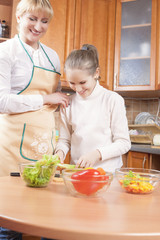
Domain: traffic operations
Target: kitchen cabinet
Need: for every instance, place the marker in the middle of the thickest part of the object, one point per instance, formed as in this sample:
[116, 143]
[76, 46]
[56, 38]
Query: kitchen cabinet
[139, 160]
[14, 21]
[153, 154]
[76, 22]
[95, 24]
[60, 34]
[6, 14]
[135, 47]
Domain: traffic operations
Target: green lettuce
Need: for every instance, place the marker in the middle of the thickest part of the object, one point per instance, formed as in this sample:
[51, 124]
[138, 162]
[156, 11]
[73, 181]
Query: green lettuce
[41, 173]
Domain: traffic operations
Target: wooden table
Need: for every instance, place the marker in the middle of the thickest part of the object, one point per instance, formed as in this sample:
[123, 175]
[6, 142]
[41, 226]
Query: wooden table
[53, 213]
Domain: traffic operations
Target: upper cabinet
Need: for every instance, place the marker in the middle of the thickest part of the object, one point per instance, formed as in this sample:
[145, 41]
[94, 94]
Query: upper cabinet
[14, 21]
[60, 35]
[6, 14]
[95, 24]
[76, 22]
[135, 47]
[125, 32]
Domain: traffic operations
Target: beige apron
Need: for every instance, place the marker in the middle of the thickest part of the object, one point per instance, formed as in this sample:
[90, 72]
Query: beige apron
[27, 136]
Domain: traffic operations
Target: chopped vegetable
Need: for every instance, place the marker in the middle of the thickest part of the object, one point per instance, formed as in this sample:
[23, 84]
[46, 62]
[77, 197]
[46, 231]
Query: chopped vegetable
[134, 183]
[61, 166]
[89, 181]
[101, 170]
[39, 174]
[89, 168]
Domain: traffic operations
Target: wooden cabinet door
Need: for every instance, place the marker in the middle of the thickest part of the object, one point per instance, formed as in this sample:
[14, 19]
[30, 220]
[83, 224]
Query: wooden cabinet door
[5, 14]
[135, 46]
[76, 22]
[95, 24]
[14, 21]
[139, 160]
[60, 35]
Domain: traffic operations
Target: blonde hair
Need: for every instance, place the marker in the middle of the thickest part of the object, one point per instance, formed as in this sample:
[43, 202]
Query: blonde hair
[32, 5]
[85, 58]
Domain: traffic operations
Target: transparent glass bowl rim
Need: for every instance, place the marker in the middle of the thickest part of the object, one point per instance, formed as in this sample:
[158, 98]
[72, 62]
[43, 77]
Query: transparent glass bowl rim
[31, 165]
[151, 174]
[66, 173]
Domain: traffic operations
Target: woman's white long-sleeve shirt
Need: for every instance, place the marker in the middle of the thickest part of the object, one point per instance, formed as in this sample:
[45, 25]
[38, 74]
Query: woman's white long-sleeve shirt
[96, 122]
[15, 73]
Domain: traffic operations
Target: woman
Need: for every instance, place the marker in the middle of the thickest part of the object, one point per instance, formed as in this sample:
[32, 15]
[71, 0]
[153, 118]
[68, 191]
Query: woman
[29, 81]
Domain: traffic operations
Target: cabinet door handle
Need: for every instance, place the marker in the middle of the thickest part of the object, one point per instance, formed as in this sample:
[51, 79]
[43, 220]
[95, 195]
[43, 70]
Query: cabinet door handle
[144, 160]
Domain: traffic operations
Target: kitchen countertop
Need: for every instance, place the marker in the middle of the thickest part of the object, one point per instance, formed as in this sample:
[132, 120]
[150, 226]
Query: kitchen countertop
[146, 148]
[51, 212]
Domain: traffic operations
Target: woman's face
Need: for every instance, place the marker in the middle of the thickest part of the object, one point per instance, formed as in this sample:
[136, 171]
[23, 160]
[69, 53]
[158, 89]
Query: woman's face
[81, 81]
[32, 26]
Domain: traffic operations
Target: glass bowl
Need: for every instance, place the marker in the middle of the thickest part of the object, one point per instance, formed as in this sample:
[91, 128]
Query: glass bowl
[96, 186]
[37, 176]
[138, 180]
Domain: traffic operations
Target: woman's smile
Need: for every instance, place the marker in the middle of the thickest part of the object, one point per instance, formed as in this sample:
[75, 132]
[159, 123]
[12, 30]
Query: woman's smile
[33, 25]
[35, 32]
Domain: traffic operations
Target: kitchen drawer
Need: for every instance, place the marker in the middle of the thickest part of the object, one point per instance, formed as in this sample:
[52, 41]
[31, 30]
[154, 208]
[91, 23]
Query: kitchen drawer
[139, 160]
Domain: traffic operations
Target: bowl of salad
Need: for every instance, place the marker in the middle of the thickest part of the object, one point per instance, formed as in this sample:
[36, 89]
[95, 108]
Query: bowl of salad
[40, 173]
[89, 182]
[138, 180]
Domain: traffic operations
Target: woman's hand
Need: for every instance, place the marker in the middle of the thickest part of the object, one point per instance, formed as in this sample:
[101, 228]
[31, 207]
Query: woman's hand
[89, 159]
[56, 98]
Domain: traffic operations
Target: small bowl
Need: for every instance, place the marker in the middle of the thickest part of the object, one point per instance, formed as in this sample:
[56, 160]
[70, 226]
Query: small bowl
[86, 188]
[37, 177]
[138, 180]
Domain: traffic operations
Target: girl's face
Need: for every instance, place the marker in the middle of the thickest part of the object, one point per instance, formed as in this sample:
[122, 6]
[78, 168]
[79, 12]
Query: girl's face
[32, 26]
[81, 82]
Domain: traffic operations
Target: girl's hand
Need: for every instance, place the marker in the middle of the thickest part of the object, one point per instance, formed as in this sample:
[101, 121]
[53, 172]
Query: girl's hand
[56, 98]
[60, 154]
[88, 160]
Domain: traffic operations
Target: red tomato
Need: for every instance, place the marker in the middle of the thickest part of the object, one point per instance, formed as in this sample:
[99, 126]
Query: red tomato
[87, 184]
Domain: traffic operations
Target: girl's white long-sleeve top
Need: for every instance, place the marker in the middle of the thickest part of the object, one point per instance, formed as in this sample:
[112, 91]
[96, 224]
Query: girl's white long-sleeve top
[96, 122]
[16, 71]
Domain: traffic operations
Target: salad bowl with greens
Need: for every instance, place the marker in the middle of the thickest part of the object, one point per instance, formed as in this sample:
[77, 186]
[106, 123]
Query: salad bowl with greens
[40, 173]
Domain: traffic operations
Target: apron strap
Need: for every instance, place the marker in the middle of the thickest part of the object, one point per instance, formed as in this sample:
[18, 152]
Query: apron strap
[25, 50]
[48, 57]
[43, 51]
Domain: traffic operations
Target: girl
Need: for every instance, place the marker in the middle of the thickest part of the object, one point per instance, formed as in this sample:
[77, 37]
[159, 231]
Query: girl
[94, 126]
[29, 89]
